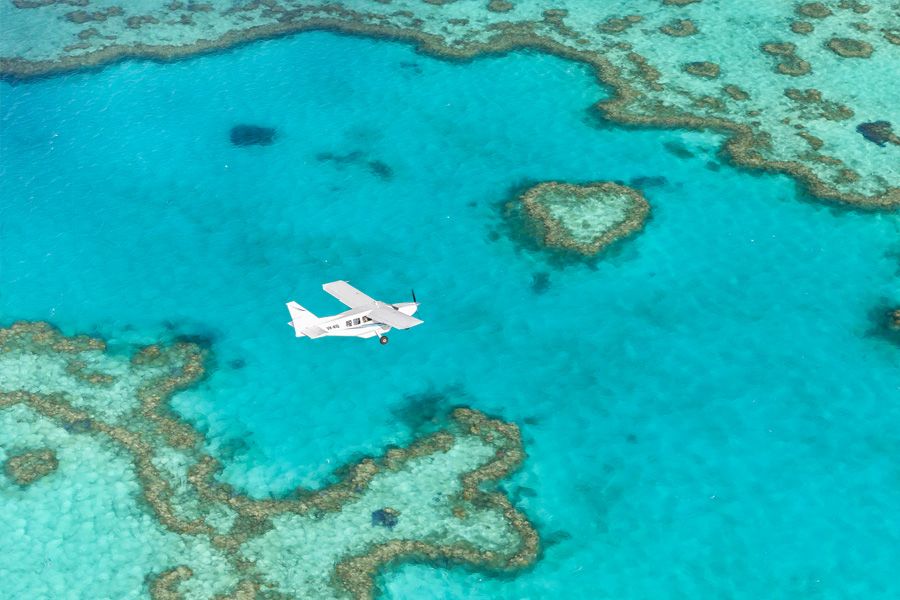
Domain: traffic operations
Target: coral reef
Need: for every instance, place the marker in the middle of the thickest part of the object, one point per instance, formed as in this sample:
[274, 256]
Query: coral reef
[639, 55]
[27, 467]
[679, 28]
[850, 48]
[705, 69]
[585, 218]
[436, 483]
[789, 63]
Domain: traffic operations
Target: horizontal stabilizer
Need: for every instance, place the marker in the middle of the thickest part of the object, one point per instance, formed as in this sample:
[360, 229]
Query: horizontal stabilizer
[394, 318]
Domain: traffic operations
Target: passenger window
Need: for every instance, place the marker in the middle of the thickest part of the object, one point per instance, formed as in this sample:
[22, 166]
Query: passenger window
[356, 321]
[349, 323]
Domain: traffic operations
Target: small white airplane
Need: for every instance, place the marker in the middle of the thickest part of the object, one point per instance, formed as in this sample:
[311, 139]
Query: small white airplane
[366, 318]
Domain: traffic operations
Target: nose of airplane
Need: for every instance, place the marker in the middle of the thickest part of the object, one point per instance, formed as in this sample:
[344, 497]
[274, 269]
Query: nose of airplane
[407, 308]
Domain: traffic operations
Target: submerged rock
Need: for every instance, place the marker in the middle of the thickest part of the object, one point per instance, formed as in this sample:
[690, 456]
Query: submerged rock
[252, 135]
[385, 517]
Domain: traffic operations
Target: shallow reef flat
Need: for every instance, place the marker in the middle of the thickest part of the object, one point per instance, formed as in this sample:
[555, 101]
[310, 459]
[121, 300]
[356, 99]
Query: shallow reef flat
[83, 428]
[585, 218]
[802, 87]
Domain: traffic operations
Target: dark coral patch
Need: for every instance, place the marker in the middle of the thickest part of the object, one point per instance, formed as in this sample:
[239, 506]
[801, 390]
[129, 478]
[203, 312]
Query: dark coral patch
[358, 158]
[381, 169]
[385, 517]
[885, 319]
[540, 282]
[678, 150]
[648, 181]
[879, 132]
[252, 135]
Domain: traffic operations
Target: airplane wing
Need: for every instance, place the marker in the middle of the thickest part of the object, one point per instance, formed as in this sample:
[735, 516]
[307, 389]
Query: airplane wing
[348, 294]
[313, 331]
[394, 318]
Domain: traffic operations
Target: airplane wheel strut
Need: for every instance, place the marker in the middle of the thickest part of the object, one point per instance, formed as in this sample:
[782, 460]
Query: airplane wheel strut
[383, 339]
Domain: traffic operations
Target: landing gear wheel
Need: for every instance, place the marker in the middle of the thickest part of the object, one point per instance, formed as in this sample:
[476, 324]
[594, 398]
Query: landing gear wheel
[383, 339]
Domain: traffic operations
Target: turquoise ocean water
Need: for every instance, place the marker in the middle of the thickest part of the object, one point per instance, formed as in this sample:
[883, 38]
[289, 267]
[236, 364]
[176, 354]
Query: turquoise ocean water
[706, 410]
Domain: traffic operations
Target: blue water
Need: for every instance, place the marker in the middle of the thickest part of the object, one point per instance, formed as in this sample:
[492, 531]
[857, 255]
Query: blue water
[705, 408]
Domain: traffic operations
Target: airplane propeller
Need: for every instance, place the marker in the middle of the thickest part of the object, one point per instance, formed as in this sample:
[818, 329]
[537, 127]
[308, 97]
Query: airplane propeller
[414, 296]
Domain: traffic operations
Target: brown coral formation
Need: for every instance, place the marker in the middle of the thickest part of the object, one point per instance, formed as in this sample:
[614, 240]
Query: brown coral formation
[814, 105]
[736, 92]
[40, 3]
[855, 6]
[151, 426]
[547, 204]
[165, 585]
[850, 48]
[27, 467]
[79, 370]
[802, 27]
[619, 24]
[705, 69]
[789, 63]
[679, 28]
[500, 6]
[815, 10]
[83, 16]
[137, 21]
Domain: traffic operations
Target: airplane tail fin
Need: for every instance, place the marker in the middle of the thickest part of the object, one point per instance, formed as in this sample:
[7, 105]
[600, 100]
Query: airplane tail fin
[300, 318]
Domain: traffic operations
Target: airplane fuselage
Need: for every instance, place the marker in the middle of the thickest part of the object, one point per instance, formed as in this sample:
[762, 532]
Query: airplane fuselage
[356, 322]
[366, 318]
